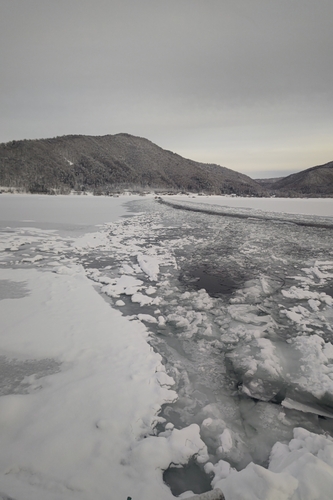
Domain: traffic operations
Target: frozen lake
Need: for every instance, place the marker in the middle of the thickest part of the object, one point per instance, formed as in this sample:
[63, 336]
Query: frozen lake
[176, 335]
[80, 210]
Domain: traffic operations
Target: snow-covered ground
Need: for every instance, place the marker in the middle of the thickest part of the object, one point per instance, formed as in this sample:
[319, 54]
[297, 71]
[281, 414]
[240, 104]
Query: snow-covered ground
[164, 338]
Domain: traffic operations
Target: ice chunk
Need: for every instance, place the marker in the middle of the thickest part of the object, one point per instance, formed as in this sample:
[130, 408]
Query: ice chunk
[309, 459]
[301, 470]
[161, 321]
[305, 294]
[34, 259]
[144, 300]
[124, 285]
[301, 370]
[260, 368]
[315, 368]
[127, 269]
[176, 449]
[306, 408]
[256, 483]
[314, 304]
[220, 470]
[70, 269]
[147, 318]
[211, 428]
[215, 494]
[120, 303]
[164, 379]
[226, 441]
[149, 265]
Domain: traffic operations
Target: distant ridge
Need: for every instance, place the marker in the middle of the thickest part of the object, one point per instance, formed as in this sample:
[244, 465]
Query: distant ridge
[314, 181]
[104, 164]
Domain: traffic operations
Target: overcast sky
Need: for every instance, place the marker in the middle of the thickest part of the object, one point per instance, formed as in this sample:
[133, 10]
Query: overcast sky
[247, 84]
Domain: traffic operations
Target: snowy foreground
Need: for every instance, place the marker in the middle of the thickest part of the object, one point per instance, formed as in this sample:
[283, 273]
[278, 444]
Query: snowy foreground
[192, 342]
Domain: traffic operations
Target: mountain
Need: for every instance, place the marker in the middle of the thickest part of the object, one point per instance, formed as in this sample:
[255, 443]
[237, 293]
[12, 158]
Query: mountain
[104, 164]
[315, 181]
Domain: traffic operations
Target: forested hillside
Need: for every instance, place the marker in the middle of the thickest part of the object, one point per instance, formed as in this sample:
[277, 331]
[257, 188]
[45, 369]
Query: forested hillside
[112, 162]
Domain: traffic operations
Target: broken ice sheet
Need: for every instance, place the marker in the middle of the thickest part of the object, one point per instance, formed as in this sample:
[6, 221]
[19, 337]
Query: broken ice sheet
[201, 328]
[213, 345]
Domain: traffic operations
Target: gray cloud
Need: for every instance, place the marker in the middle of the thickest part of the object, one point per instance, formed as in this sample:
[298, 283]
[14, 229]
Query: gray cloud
[243, 83]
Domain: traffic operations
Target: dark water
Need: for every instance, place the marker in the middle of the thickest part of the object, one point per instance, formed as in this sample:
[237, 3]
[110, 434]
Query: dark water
[328, 289]
[216, 282]
[189, 477]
